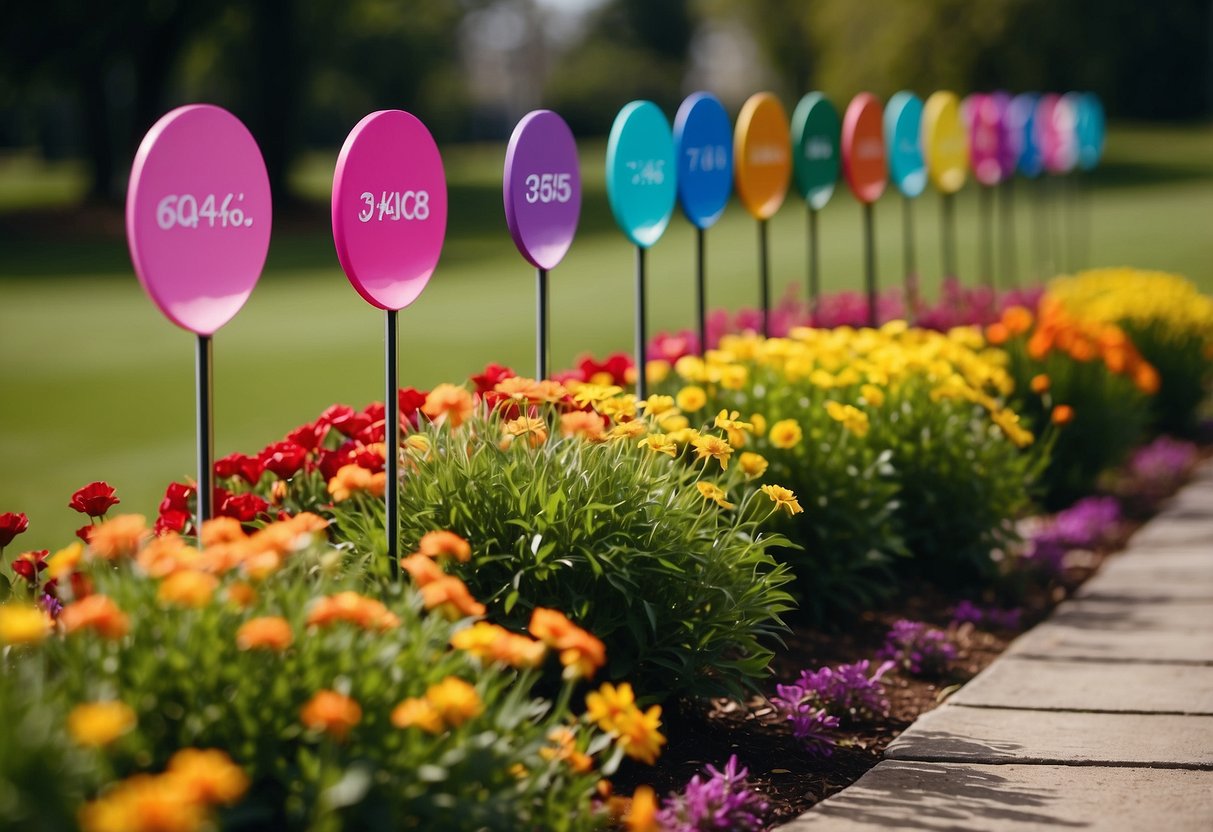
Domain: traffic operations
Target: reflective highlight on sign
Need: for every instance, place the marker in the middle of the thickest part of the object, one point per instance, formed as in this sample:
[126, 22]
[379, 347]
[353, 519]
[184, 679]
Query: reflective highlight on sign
[641, 176]
[903, 140]
[198, 216]
[703, 141]
[863, 151]
[1090, 130]
[389, 208]
[945, 142]
[763, 155]
[541, 188]
[816, 144]
[985, 139]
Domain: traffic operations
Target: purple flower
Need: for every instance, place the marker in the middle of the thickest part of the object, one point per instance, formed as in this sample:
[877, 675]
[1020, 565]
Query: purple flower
[846, 691]
[918, 648]
[721, 800]
[1157, 470]
[51, 604]
[966, 612]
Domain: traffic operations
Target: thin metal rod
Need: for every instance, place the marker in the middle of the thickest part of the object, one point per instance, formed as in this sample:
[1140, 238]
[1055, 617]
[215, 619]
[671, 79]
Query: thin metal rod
[642, 329]
[948, 233]
[701, 290]
[985, 233]
[869, 259]
[1010, 265]
[1040, 231]
[909, 252]
[814, 267]
[391, 438]
[205, 429]
[764, 279]
[541, 321]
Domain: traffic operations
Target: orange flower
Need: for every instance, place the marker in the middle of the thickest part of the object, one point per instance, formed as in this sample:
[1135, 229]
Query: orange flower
[188, 588]
[118, 537]
[1040, 384]
[444, 544]
[448, 402]
[1017, 320]
[145, 803]
[241, 595]
[535, 430]
[269, 632]
[96, 724]
[353, 479]
[96, 612]
[642, 811]
[423, 570]
[331, 713]
[1146, 379]
[494, 643]
[564, 747]
[1039, 344]
[209, 775]
[1063, 414]
[580, 653]
[518, 388]
[997, 334]
[356, 609]
[455, 701]
[419, 713]
[584, 424]
[165, 555]
[222, 530]
[450, 596]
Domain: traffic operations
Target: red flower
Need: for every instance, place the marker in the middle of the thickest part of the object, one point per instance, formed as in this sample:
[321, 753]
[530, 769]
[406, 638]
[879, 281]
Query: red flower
[493, 375]
[11, 525]
[374, 432]
[346, 420]
[29, 564]
[410, 402]
[171, 520]
[177, 497]
[616, 366]
[248, 468]
[309, 436]
[243, 507]
[95, 499]
[375, 411]
[283, 459]
[84, 532]
[370, 460]
[506, 404]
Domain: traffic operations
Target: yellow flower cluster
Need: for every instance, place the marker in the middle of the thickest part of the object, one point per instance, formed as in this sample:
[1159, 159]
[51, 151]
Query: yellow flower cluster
[636, 732]
[1137, 296]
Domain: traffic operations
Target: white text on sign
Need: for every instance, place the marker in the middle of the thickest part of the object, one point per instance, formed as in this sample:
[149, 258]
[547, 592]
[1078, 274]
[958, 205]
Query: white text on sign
[549, 187]
[708, 158]
[648, 172]
[818, 149]
[395, 205]
[183, 210]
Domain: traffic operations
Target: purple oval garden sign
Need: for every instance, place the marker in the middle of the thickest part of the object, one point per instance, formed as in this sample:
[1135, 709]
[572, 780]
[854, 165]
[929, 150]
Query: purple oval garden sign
[542, 188]
[389, 208]
[198, 216]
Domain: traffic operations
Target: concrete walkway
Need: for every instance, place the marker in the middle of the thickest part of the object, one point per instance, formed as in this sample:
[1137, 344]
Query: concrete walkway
[1099, 718]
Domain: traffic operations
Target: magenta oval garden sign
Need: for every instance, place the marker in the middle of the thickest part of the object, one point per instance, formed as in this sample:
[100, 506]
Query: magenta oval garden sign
[542, 188]
[198, 216]
[389, 208]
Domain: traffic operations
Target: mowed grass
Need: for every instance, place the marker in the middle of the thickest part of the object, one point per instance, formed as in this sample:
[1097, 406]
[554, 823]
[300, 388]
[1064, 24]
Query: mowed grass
[96, 384]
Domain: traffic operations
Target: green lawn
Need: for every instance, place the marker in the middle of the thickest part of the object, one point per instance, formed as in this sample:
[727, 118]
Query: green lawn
[97, 385]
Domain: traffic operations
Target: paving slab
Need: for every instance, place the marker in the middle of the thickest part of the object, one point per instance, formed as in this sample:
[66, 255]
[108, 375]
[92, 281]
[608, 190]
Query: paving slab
[954, 733]
[1193, 502]
[956, 796]
[1031, 684]
[1146, 585]
[1161, 562]
[1132, 616]
[1175, 531]
[1061, 641]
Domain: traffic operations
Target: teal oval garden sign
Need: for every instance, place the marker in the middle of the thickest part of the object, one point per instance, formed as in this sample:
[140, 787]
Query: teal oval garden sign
[903, 138]
[641, 178]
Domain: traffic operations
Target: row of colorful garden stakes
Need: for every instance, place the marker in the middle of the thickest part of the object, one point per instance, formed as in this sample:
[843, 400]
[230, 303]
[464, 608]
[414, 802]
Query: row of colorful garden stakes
[198, 211]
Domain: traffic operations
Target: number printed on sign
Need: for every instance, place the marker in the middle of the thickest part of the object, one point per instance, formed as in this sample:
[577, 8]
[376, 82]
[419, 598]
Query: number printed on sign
[549, 187]
[395, 205]
[708, 158]
[648, 172]
[183, 210]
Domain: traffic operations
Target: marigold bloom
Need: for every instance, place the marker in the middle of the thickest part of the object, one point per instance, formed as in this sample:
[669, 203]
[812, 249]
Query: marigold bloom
[444, 544]
[1017, 320]
[455, 701]
[691, 399]
[1063, 414]
[731, 421]
[331, 713]
[872, 394]
[657, 405]
[535, 430]
[354, 479]
[606, 705]
[21, 624]
[417, 712]
[209, 775]
[760, 424]
[1147, 379]
[785, 434]
[240, 595]
[164, 555]
[628, 430]
[422, 569]
[783, 498]
[450, 596]
[11, 525]
[642, 811]
[713, 447]
[673, 421]
[752, 465]
[95, 499]
[219, 530]
[714, 493]
[659, 443]
[997, 334]
[96, 612]
[96, 724]
[518, 388]
[145, 803]
[118, 537]
[1008, 422]
[1040, 384]
[580, 652]
[564, 748]
[492, 642]
[587, 395]
[851, 417]
[349, 606]
[639, 735]
[188, 588]
[448, 402]
[585, 424]
[271, 632]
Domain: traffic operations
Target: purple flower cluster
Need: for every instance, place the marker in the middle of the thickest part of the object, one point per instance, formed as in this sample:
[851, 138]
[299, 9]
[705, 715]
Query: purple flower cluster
[918, 648]
[966, 612]
[965, 306]
[717, 800]
[1156, 470]
[846, 691]
[1090, 522]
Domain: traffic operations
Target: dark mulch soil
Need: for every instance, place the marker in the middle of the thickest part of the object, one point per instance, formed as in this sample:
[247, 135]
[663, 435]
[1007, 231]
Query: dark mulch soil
[792, 781]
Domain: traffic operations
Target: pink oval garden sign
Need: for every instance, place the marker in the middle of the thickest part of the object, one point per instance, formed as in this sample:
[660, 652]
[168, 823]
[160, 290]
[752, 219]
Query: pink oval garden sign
[389, 208]
[198, 216]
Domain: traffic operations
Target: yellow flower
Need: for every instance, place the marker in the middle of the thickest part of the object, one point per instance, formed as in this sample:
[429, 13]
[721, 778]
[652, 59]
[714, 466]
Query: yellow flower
[713, 447]
[714, 493]
[455, 701]
[691, 368]
[564, 747]
[733, 377]
[786, 434]
[495, 643]
[730, 421]
[656, 405]
[619, 407]
[605, 705]
[209, 775]
[20, 624]
[638, 734]
[536, 430]
[627, 430]
[64, 561]
[659, 443]
[783, 498]
[851, 417]
[592, 394]
[872, 394]
[657, 371]
[673, 421]
[642, 811]
[683, 436]
[753, 465]
[95, 724]
[760, 424]
[1008, 422]
[691, 399]
[419, 444]
[417, 713]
